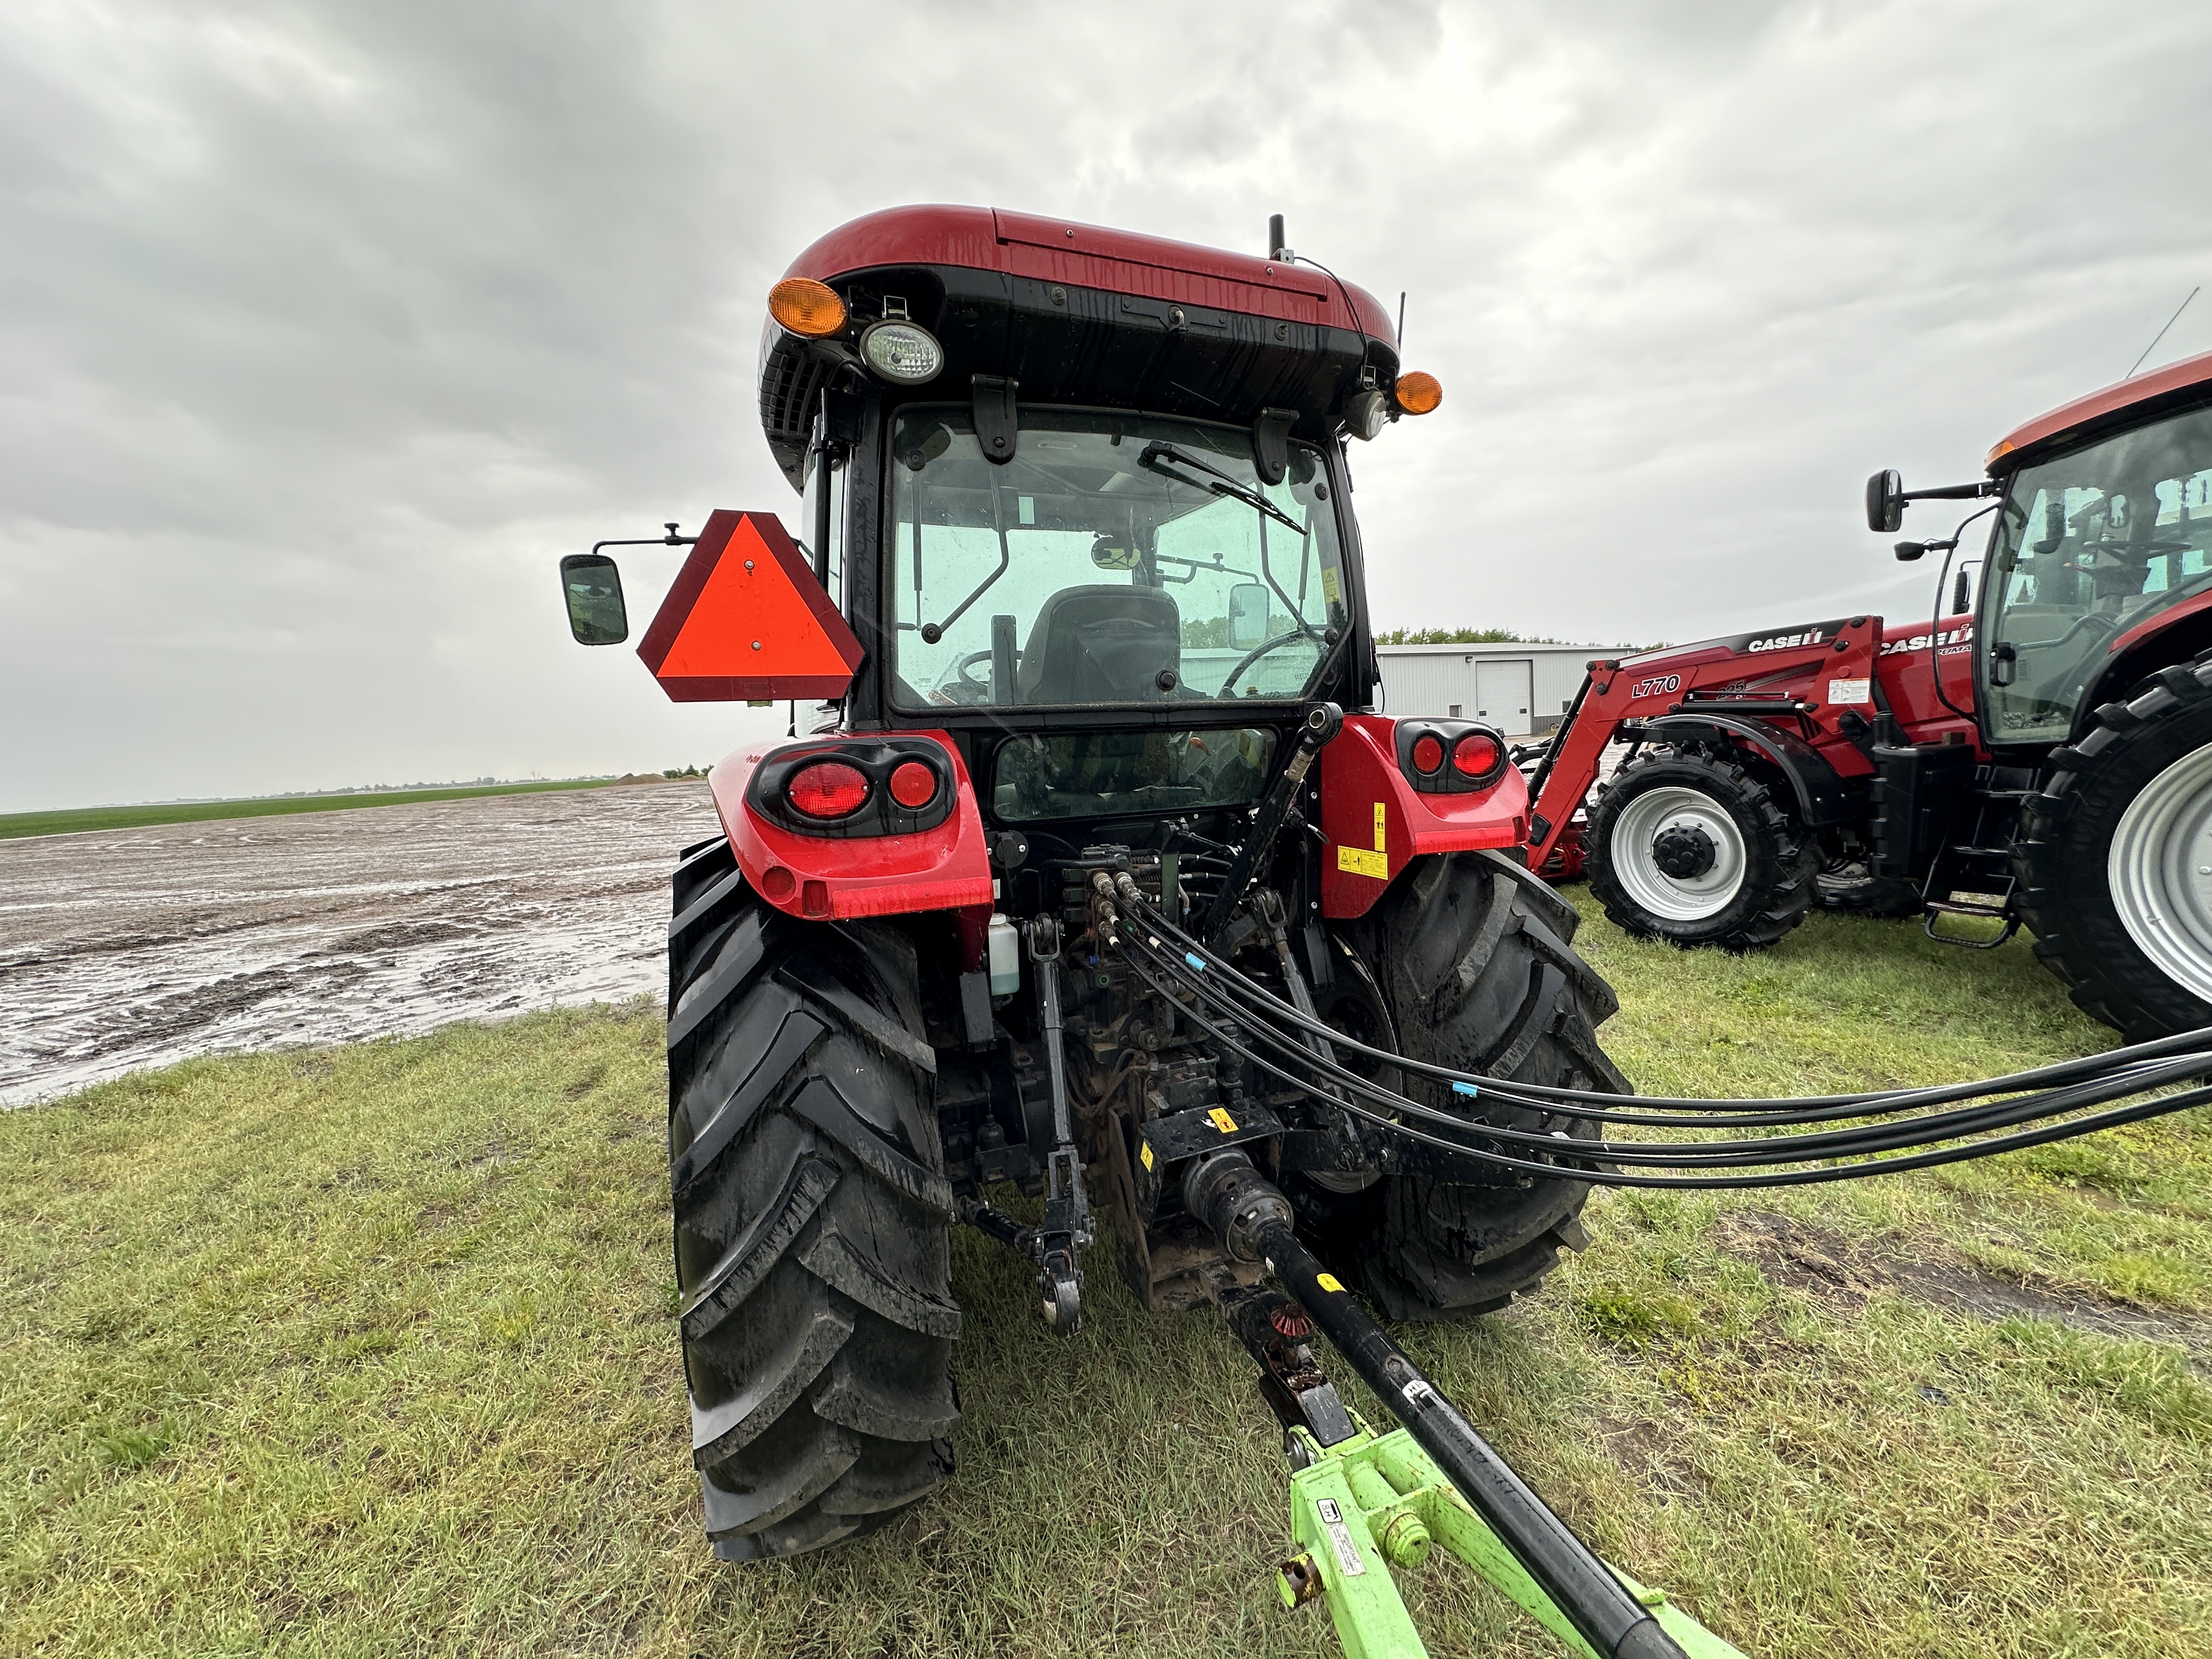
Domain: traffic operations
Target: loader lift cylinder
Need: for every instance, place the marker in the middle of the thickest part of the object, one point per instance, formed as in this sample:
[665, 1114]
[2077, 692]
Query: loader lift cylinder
[1256, 1223]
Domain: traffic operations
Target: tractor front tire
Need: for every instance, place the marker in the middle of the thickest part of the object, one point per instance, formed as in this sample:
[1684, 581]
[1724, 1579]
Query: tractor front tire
[1472, 958]
[1687, 845]
[2111, 858]
[813, 1218]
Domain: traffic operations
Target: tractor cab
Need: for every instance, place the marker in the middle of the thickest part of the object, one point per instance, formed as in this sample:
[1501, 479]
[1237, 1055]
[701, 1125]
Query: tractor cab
[1082, 498]
[2099, 548]
[2099, 541]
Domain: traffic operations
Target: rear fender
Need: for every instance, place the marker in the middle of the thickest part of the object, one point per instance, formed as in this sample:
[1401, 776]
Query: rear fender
[1375, 824]
[2170, 637]
[824, 879]
[1823, 796]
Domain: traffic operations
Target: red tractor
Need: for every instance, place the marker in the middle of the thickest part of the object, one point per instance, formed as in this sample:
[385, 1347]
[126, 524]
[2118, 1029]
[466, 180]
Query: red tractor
[2045, 758]
[1079, 580]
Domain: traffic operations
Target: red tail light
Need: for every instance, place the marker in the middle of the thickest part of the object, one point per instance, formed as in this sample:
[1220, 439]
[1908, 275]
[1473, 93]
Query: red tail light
[1472, 755]
[913, 786]
[827, 789]
[1428, 755]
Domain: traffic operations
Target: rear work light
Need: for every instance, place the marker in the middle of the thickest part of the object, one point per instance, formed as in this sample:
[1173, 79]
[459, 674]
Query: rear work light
[904, 352]
[1474, 756]
[807, 307]
[1428, 755]
[827, 789]
[913, 786]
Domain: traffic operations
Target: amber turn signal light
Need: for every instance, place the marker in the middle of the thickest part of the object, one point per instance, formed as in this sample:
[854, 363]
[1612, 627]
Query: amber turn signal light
[1420, 391]
[806, 306]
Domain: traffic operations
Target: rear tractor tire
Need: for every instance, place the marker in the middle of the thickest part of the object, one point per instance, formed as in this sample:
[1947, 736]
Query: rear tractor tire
[2114, 860]
[1687, 845]
[1469, 960]
[813, 1218]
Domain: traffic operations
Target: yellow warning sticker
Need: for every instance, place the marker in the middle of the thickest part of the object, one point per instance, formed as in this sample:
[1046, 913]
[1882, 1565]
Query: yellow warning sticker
[1361, 862]
[1223, 1122]
[1145, 1154]
[1382, 829]
[1329, 590]
[1327, 1282]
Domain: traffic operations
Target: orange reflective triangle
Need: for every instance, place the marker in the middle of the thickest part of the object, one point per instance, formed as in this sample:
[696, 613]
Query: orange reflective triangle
[746, 620]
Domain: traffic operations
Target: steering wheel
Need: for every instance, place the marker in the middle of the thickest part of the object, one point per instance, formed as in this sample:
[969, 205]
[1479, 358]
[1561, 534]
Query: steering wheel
[1260, 651]
[958, 686]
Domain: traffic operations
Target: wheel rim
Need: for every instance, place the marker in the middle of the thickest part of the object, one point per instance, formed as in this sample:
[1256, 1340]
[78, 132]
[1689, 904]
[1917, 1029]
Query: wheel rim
[2159, 869]
[1634, 860]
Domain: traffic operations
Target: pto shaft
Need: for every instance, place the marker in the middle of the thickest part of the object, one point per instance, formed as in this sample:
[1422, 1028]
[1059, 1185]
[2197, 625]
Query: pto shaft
[1255, 1222]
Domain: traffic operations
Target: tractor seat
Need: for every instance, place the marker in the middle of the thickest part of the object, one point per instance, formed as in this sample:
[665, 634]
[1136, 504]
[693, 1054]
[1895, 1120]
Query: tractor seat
[1101, 643]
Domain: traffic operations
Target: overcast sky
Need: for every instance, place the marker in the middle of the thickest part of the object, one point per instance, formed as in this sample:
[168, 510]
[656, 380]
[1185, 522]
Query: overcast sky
[325, 330]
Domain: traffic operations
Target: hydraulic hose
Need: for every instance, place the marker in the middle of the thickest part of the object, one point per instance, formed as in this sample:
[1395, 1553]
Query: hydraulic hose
[2125, 1073]
[1255, 1222]
[1199, 957]
[1924, 1129]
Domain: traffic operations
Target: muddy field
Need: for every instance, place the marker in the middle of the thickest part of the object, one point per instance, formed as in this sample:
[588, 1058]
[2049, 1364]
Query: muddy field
[137, 947]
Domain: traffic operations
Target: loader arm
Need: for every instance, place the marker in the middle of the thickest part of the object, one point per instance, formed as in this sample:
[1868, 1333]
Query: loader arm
[1564, 778]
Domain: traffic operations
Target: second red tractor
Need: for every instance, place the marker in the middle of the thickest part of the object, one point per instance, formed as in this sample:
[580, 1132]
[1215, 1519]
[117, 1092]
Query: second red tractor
[2042, 754]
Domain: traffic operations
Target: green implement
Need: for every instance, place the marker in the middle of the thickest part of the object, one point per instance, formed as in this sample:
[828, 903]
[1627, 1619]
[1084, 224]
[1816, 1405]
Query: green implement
[1371, 1503]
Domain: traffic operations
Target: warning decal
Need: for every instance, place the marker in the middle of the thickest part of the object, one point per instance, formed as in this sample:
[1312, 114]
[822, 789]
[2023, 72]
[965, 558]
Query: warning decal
[1361, 862]
[1221, 1121]
[1846, 692]
[746, 620]
[1339, 1538]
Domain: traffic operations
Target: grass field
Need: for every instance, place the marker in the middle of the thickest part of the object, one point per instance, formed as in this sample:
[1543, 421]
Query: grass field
[370, 1351]
[76, 819]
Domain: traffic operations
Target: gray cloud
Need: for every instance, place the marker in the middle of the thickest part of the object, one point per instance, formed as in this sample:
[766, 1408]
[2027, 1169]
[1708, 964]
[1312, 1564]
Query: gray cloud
[324, 329]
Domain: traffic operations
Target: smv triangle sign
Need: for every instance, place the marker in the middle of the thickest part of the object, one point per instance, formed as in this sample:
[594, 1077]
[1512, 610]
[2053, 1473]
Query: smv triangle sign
[747, 622]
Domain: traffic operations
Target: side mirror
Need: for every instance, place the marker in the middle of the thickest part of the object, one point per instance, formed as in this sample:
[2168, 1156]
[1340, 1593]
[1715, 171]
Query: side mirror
[1248, 617]
[1885, 502]
[592, 587]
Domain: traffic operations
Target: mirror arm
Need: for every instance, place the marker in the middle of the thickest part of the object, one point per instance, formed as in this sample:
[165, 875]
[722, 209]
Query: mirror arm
[671, 540]
[1968, 492]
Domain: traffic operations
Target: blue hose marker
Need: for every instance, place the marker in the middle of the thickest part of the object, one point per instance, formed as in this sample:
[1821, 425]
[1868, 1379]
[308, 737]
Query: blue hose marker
[1466, 1089]
[1195, 960]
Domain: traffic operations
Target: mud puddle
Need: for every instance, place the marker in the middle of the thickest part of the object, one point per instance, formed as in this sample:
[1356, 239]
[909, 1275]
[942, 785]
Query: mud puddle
[137, 947]
[1828, 1267]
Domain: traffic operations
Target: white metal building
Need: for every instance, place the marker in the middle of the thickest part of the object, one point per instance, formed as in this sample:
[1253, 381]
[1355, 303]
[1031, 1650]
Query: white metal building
[1521, 689]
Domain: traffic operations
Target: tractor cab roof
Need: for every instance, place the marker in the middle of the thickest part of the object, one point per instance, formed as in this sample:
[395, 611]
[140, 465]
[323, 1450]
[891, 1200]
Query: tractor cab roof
[1078, 314]
[2176, 385]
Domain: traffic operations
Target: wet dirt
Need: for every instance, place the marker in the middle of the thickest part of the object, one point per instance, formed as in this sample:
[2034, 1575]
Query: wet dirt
[1832, 1268]
[129, 948]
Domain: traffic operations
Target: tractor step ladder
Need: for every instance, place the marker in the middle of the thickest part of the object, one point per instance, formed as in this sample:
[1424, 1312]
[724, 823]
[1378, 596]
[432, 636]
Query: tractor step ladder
[1982, 869]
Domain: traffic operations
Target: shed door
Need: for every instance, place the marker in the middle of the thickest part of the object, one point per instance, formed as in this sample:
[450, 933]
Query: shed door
[1501, 696]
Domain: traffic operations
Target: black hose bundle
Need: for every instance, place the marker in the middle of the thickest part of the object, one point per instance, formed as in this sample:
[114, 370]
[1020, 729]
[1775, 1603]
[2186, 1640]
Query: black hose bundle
[1880, 1133]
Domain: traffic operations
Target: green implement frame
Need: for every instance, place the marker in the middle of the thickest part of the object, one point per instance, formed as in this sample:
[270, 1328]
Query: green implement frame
[1371, 1503]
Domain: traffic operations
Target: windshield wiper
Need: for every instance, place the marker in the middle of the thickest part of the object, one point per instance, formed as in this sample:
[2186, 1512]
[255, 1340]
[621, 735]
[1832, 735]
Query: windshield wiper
[1156, 454]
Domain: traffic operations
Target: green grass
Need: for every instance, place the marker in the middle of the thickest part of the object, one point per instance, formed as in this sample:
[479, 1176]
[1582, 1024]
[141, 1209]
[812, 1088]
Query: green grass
[74, 820]
[370, 1351]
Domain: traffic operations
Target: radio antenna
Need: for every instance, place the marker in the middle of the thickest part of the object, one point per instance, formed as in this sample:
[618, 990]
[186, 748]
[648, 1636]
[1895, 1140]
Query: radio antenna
[2161, 335]
[1401, 323]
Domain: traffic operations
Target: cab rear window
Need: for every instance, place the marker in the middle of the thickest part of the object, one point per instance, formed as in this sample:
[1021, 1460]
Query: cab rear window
[1091, 774]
